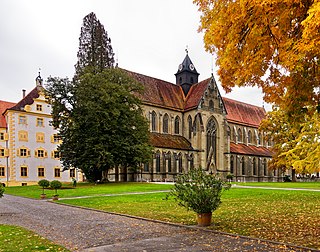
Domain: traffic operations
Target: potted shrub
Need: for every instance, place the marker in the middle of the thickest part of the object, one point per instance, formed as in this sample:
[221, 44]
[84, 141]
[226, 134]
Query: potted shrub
[1, 190]
[55, 184]
[200, 193]
[44, 184]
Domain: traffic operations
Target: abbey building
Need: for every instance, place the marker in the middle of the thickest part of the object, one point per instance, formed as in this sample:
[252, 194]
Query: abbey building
[191, 125]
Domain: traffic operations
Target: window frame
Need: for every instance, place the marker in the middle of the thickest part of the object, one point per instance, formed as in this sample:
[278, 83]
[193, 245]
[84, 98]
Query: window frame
[23, 171]
[57, 172]
[42, 172]
[2, 171]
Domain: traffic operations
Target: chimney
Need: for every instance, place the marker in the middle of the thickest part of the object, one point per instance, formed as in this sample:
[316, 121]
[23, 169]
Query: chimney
[23, 93]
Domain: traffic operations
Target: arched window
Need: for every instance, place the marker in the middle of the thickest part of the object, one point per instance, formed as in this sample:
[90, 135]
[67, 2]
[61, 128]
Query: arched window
[212, 140]
[177, 125]
[153, 121]
[254, 166]
[189, 127]
[243, 166]
[231, 164]
[211, 105]
[169, 162]
[259, 167]
[265, 167]
[191, 161]
[158, 162]
[249, 137]
[234, 135]
[178, 163]
[239, 136]
[180, 80]
[191, 80]
[260, 139]
[165, 126]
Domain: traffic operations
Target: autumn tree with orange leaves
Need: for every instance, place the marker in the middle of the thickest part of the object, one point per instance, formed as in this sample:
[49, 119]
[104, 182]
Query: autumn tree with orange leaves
[275, 45]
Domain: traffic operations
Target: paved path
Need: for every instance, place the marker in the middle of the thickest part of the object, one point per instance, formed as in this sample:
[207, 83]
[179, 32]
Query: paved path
[88, 231]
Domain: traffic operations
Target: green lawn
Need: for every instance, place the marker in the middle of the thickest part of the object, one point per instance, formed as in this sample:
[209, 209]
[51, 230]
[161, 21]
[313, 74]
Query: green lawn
[19, 239]
[307, 185]
[86, 189]
[285, 216]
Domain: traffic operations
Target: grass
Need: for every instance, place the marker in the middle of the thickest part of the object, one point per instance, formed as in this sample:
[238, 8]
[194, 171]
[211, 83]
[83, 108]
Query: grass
[86, 189]
[306, 185]
[14, 238]
[284, 216]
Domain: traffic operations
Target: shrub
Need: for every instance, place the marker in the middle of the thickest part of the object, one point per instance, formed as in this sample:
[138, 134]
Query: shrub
[198, 191]
[55, 184]
[1, 190]
[44, 184]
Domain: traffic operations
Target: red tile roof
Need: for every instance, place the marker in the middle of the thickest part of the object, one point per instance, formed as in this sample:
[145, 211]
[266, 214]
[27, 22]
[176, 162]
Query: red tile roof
[27, 100]
[243, 113]
[170, 141]
[195, 94]
[159, 93]
[3, 107]
[165, 94]
[252, 150]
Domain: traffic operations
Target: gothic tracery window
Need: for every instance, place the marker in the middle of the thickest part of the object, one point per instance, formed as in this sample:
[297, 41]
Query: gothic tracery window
[189, 127]
[153, 121]
[177, 125]
[212, 140]
[165, 127]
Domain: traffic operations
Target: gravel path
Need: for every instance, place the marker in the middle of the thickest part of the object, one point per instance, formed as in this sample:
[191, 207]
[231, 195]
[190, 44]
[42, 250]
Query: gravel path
[87, 230]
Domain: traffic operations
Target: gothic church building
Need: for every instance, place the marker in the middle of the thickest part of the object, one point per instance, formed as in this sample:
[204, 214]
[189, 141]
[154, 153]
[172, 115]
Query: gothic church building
[191, 125]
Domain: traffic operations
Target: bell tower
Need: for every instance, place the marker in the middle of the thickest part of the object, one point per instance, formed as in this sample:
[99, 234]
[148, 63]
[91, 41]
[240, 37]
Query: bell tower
[187, 75]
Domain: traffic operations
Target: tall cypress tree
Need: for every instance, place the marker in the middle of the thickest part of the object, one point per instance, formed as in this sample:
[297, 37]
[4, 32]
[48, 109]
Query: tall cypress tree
[95, 50]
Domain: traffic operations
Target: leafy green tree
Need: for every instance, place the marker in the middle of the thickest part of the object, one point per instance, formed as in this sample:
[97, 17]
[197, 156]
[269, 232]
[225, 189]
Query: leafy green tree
[100, 121]
[44, 184]
[95, 48]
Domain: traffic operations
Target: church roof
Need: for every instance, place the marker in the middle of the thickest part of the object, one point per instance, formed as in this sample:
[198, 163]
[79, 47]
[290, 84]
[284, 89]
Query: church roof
[170, 141]
[158, 92]
[187, 65]
[4, 105]
[168, 95]
[243, 113]
[251, 150]
[195, 94]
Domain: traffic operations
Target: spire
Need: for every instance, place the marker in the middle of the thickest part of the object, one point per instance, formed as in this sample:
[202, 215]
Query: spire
[187, 74]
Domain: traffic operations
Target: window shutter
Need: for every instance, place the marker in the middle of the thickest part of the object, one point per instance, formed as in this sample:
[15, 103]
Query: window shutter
[6, 136]
[18, 152]
[35, 153]
[52, 154]
[6, 152]
[45, 154]
[28, 153]
[52, 138]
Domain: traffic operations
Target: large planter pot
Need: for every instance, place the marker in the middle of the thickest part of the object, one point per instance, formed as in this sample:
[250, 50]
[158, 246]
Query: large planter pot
[55, 197]
[43, 196]
[204, 219]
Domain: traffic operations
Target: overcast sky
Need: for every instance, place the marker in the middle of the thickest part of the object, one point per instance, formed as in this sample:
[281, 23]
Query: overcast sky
[148, 37]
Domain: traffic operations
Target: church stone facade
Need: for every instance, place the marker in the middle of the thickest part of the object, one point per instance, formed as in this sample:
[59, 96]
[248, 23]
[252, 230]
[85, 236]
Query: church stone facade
[192, 125]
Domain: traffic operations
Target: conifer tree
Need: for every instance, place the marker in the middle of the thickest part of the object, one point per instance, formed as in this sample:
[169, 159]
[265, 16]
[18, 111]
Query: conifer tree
[95, 50]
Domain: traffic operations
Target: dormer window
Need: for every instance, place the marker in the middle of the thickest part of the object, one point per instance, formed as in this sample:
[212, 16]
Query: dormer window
[39, 107]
